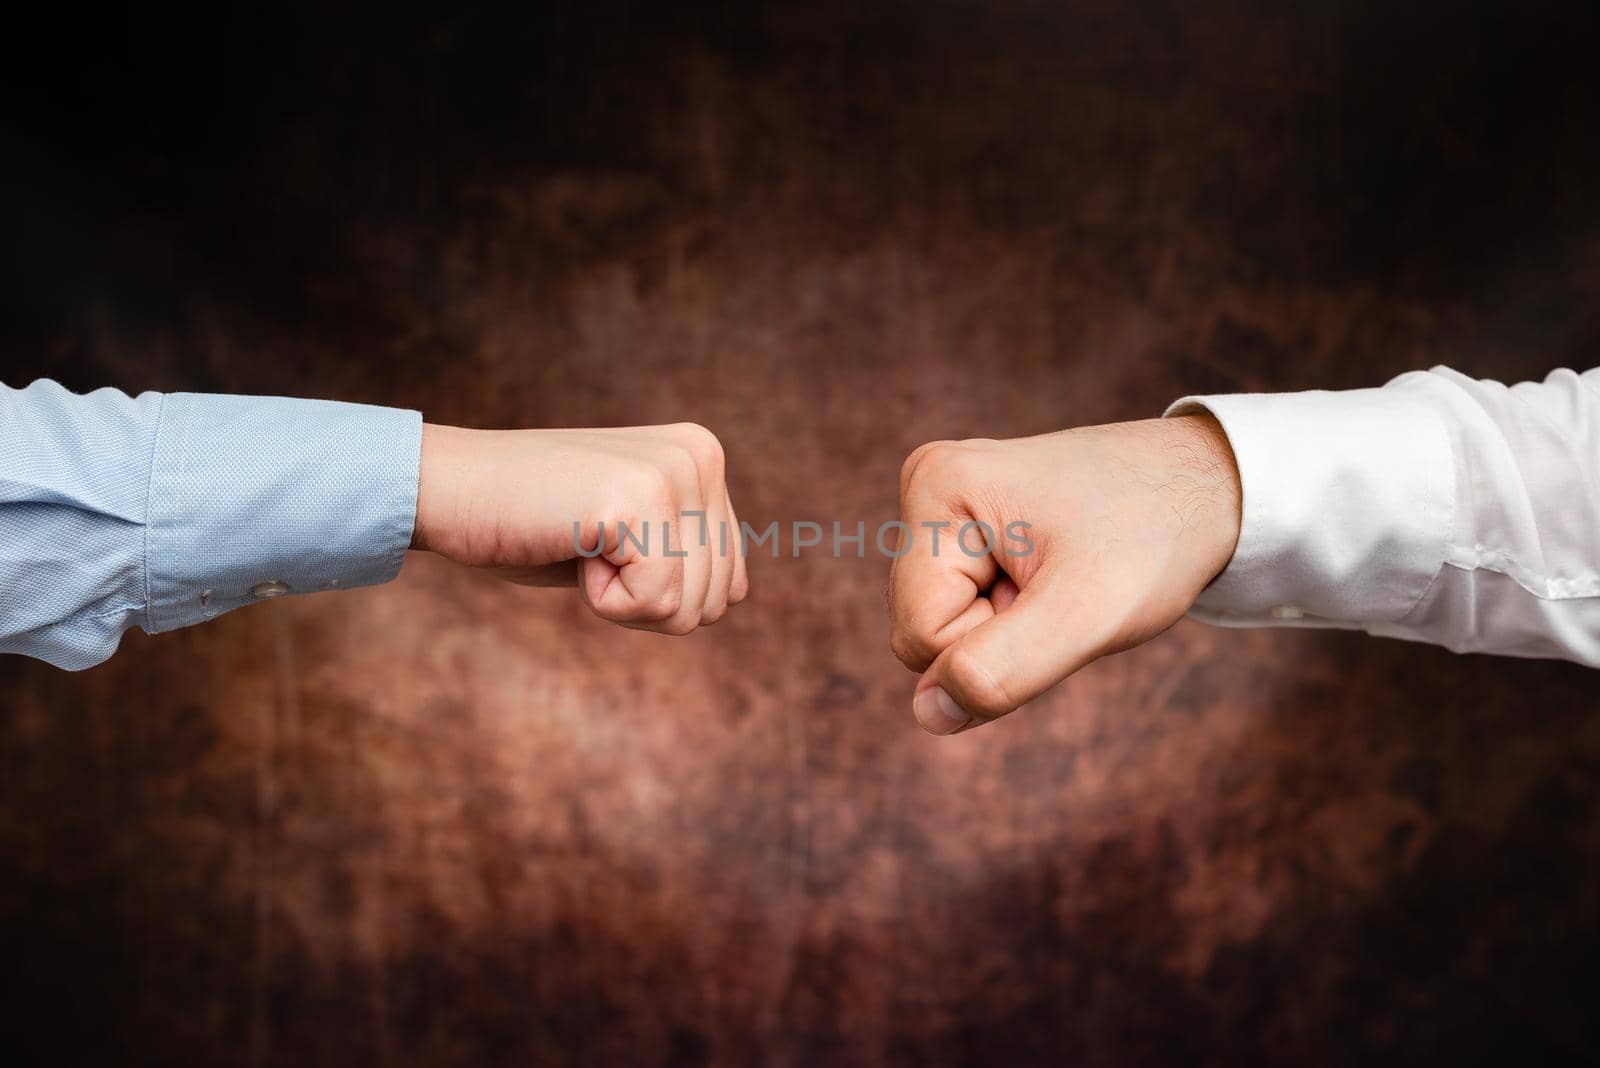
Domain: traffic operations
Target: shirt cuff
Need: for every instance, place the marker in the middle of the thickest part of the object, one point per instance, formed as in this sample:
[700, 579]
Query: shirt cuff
[254, 497]
[1347, 503]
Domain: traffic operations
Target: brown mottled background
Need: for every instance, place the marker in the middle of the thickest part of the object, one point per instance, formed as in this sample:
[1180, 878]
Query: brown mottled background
[449, 821]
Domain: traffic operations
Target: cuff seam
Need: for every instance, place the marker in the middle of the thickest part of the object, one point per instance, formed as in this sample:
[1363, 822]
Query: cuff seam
[1444, 515]
[149, 495]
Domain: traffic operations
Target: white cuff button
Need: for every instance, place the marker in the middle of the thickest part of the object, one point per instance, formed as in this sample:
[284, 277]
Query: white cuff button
[266, 590]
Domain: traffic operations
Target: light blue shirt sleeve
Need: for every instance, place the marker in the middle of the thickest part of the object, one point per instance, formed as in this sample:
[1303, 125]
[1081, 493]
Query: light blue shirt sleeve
[165, 510]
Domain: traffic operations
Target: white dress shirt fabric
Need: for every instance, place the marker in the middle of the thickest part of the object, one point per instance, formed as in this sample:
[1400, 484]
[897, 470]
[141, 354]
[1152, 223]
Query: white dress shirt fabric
[1437, 508]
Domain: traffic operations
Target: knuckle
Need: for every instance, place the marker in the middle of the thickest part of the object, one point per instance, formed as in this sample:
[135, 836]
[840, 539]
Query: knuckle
[937, 460]
[910, 648]
[980, 692]
[681, 625]
[908, 470]
[665, 606]
[955, 460]
[701, 444]
[678, 462]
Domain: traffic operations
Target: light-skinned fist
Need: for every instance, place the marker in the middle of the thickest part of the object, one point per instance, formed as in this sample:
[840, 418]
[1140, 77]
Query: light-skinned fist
[1102, 537]
[547, 508]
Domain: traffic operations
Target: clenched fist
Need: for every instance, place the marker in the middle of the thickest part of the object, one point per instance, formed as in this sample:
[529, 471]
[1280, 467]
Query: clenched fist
[1097, 539]
[638, 518]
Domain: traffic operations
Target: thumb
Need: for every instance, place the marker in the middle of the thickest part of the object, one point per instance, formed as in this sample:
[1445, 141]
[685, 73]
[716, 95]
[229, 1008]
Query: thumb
[1028, 646]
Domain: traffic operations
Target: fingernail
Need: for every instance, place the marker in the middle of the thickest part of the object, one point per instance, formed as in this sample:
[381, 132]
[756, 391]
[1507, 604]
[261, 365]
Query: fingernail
[937, 712]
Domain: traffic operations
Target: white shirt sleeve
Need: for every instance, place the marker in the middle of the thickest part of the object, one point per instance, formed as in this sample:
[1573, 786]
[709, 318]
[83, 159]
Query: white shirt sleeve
[1438, 508]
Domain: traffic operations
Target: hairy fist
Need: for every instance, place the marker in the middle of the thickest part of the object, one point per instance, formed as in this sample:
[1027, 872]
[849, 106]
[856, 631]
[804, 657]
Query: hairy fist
[638, 518]
[1097, 539]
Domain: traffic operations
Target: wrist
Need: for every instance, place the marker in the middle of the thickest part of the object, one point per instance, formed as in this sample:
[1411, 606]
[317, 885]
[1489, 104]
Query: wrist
[1209, 495]
[439, 477]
